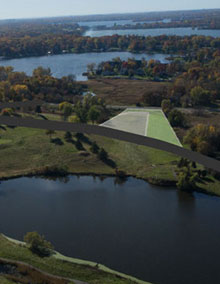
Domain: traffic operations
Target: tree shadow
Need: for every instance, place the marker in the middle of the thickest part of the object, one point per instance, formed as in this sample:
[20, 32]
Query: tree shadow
[57, 141]
[110, 163]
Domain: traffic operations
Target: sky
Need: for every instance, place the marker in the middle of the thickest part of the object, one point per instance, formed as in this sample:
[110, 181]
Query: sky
[10, 9]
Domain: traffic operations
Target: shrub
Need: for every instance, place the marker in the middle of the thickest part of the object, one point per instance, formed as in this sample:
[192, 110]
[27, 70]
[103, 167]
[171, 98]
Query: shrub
[37, 244]
[68, 136]
[177, 118]
[79, 145]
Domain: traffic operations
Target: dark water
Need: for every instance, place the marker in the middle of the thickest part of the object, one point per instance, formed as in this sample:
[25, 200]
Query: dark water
[65, 64]
[156, 234]
[155, 32]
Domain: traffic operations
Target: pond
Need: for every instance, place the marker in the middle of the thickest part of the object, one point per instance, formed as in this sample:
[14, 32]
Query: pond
[65, 64]
[157, 234]
[155, 32]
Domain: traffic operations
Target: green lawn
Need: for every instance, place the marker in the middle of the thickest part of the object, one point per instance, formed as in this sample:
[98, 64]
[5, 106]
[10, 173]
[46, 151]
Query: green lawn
[159, 127]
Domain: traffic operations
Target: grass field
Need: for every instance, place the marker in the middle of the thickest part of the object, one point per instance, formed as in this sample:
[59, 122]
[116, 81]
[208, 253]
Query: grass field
[124, 91]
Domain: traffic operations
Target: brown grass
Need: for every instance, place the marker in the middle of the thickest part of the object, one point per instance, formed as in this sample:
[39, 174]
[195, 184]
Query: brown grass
[123, 91]
[24, 273]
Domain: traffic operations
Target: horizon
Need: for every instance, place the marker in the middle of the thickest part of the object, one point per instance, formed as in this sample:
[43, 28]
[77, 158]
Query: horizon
[32, 9]
[107, 14]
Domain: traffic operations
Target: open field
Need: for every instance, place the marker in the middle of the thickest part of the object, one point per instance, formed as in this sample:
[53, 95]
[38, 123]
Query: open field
[144, 121]
[25, 150]
[133, 121]
[63, 266]
[124, 91]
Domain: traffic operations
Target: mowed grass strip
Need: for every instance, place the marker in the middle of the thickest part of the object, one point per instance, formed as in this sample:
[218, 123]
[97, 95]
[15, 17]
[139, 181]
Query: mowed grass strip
[159, 128]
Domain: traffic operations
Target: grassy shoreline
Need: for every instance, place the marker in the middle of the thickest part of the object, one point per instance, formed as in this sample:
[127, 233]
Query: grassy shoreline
[64, 266]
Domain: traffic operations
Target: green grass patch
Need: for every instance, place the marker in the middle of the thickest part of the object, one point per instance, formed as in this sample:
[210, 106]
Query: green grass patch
[5, 141]
[160, 128]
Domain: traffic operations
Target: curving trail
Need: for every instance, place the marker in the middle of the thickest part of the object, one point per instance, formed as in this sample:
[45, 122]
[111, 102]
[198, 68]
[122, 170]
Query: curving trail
[115, 134]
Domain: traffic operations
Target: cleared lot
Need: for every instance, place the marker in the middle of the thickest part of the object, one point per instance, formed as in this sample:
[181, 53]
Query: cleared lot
[131, 121]
[146, 122]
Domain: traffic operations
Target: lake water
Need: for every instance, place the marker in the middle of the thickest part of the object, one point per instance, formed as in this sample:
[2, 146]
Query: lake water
[155, 32]
[65, 64]
[160, 235]
[92, 24]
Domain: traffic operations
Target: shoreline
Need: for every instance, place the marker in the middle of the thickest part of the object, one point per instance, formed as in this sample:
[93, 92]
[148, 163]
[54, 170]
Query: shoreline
[85, 263]
[153, 182]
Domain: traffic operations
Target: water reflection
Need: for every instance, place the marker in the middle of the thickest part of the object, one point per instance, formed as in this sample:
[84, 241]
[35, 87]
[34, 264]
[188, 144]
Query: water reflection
[160, 235]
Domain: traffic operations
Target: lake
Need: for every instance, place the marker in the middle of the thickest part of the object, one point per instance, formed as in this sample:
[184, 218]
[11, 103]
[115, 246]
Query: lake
[65, 64]
[155, 32]
[157, 234]
[92, 24]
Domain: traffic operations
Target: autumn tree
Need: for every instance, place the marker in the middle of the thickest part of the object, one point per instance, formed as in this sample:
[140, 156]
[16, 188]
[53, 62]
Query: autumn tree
[166, 106]
[200, 96]
[177, 118]
[66, 109]
[94, 113]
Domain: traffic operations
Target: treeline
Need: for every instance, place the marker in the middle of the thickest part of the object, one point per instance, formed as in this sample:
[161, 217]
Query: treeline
[17, 86]
[197, 85]
[12, 47]
[210, 23]
[19, 29]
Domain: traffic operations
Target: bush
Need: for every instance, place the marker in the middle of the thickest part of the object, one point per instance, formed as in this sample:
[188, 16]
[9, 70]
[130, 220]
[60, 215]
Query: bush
[52, 171]
[186, 181]
[79, 145]
[177, 118]
[68, 136]
[37, 244]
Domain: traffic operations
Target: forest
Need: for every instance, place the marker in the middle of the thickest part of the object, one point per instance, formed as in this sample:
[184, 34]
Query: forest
[44, 44]
[17, 86]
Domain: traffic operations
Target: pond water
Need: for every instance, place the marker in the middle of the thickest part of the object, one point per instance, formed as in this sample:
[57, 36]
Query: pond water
[159, 235]
[65, 64]
[155, 32]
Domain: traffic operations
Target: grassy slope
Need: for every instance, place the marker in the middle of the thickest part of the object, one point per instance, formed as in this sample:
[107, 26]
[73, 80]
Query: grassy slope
[25, 149]
[62, 266]
[3, 280]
